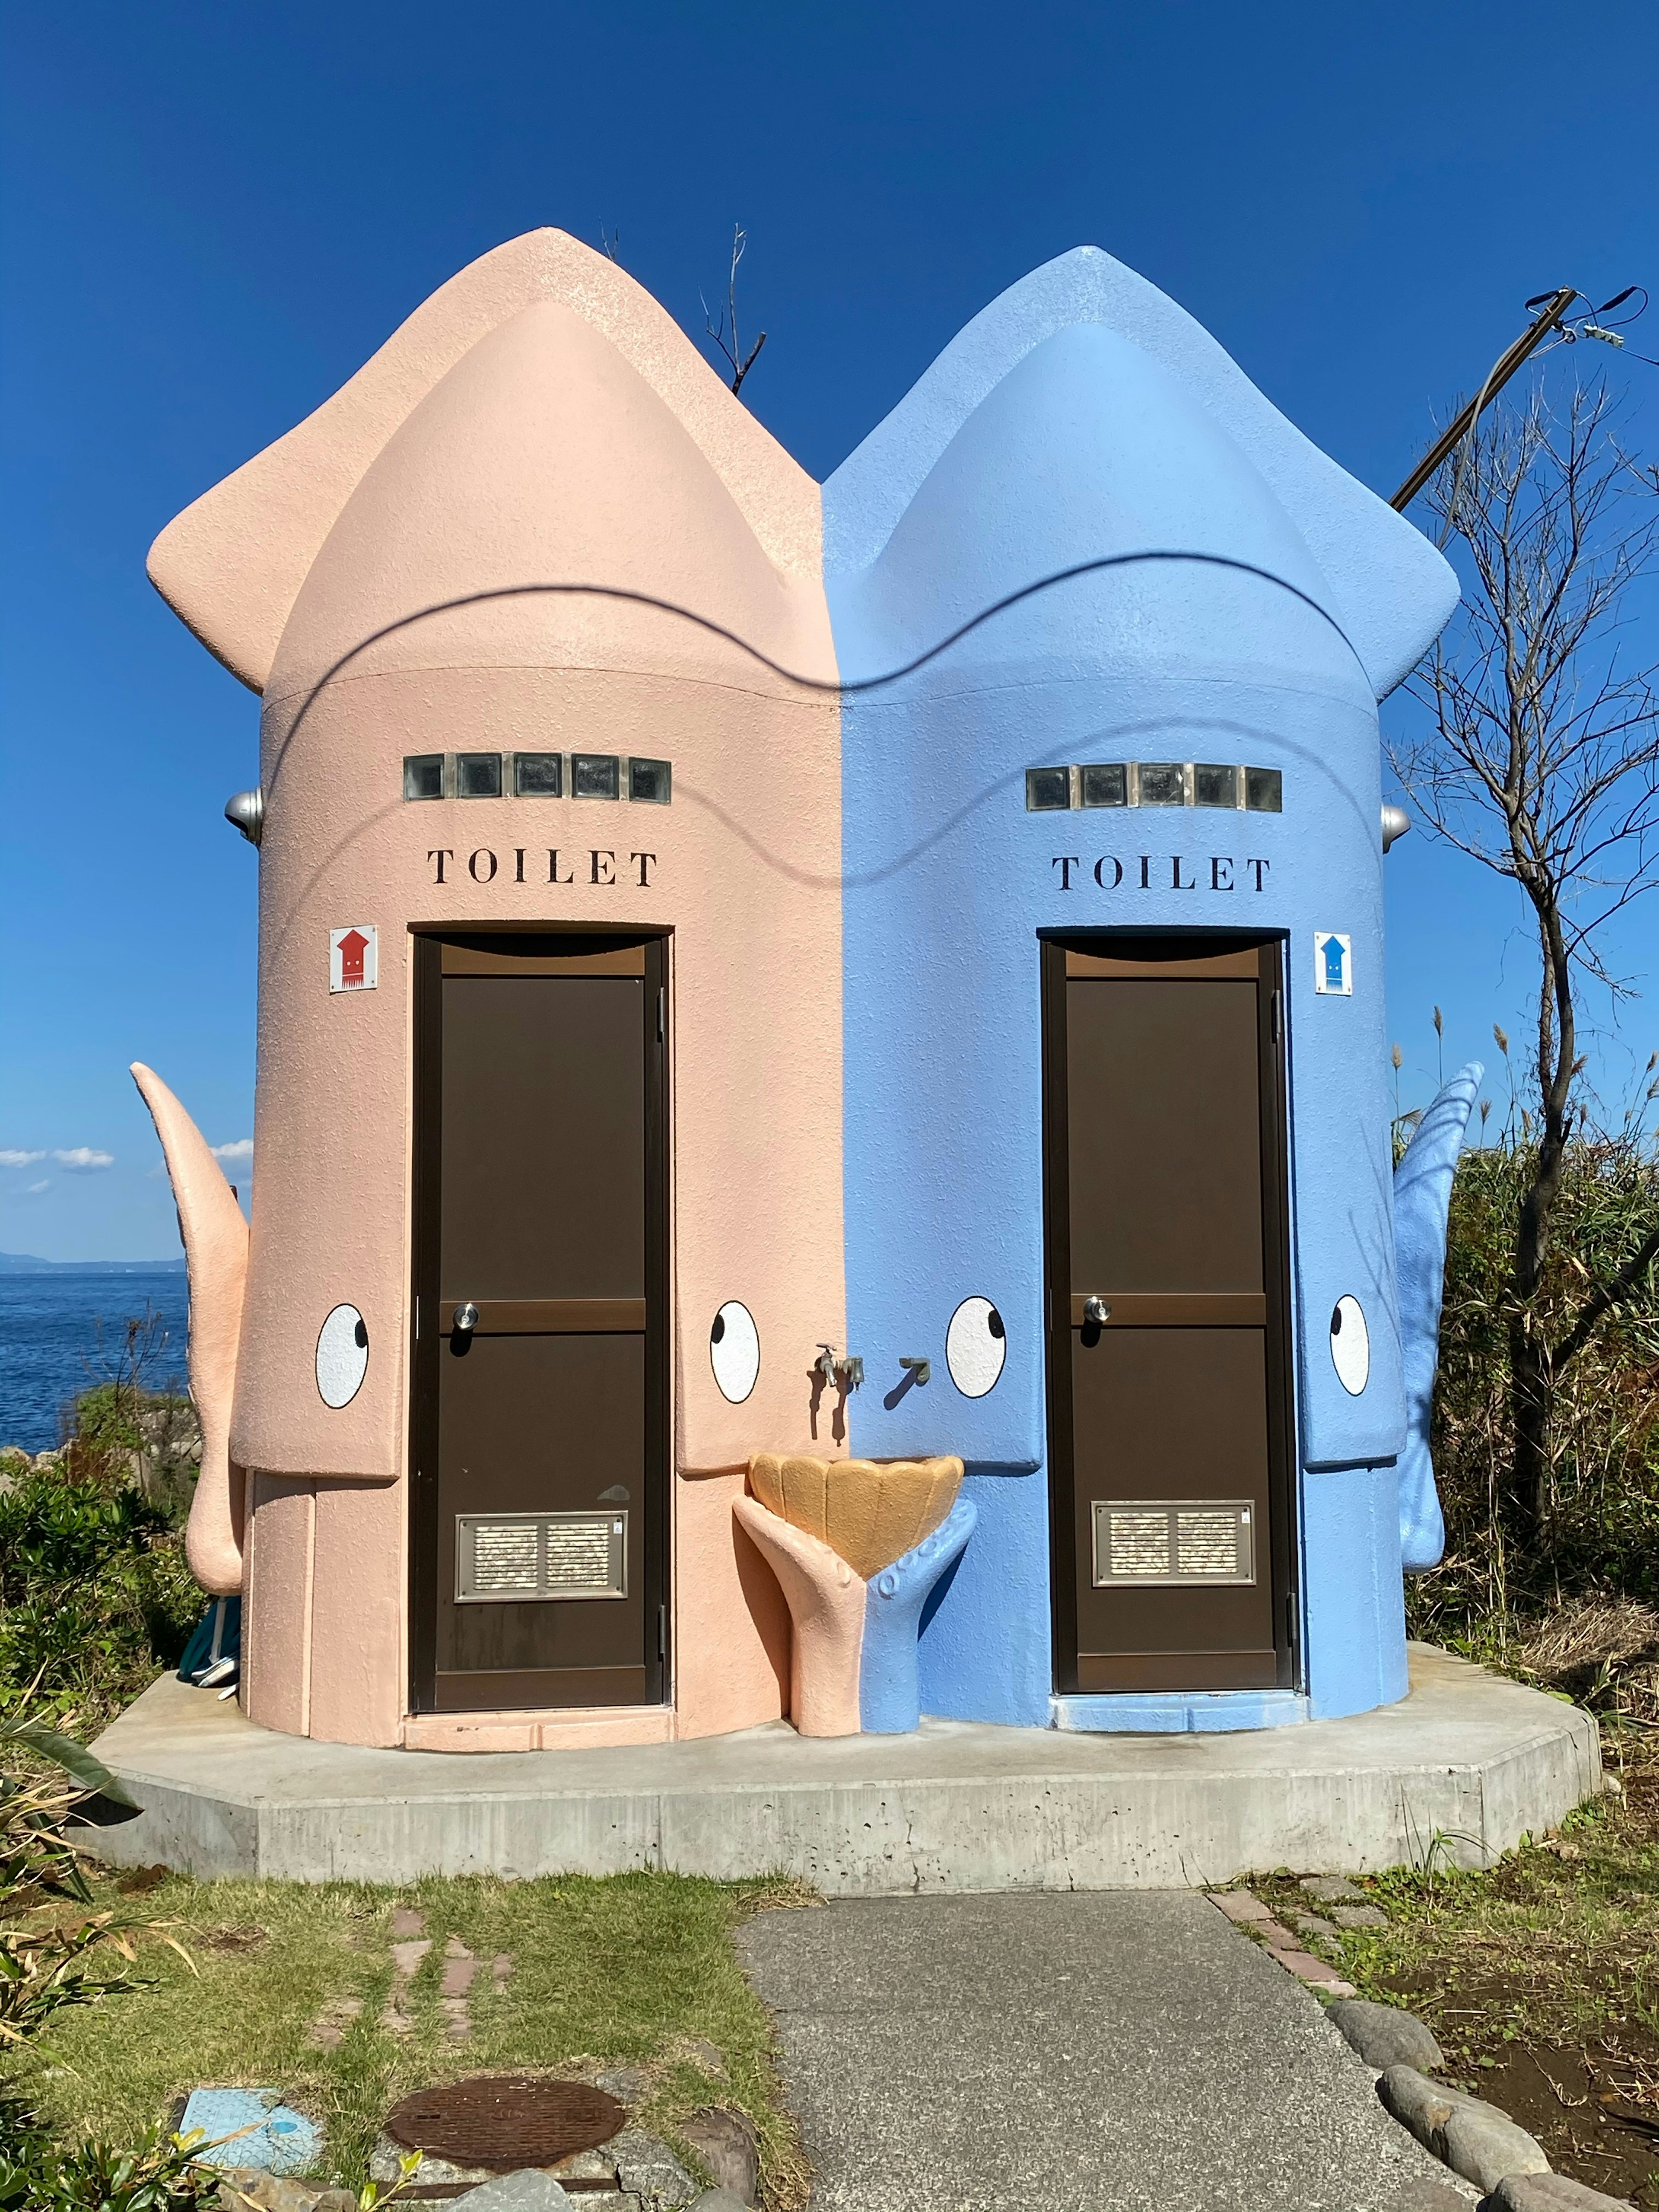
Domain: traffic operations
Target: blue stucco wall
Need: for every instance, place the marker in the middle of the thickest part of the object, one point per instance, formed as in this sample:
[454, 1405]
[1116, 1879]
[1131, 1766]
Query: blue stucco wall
[985, 1648]
[1070, 544]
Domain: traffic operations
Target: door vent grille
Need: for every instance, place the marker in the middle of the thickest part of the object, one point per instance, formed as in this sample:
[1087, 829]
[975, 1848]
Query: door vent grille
[1178, 1541]
[504, 1558]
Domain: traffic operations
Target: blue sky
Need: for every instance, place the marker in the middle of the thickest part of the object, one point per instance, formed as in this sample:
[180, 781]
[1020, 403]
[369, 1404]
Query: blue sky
[214, 214]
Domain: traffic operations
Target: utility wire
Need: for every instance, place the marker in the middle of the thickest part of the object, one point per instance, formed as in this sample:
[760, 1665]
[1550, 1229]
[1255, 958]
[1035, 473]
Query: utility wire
[1551, 322]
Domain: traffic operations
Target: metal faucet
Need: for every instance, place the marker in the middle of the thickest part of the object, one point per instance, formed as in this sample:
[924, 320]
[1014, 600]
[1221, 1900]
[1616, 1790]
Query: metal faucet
[848, 1372]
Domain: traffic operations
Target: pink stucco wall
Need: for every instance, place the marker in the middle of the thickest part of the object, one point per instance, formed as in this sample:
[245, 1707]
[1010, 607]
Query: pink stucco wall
[381, 576]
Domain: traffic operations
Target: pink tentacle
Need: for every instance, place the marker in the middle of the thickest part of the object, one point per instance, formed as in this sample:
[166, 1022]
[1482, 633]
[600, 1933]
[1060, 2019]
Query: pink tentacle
[216, 1248]
[826, 1605]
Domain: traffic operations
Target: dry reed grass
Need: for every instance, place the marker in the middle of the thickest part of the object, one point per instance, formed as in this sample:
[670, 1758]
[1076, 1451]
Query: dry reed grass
[1603, 1651]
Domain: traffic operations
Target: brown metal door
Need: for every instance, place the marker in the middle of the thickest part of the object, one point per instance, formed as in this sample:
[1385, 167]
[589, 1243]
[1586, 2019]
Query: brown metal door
[1166, 1252]
[539, 1423]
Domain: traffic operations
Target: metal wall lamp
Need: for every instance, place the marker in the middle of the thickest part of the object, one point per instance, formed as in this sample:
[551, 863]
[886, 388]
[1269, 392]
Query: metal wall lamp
[247, 811]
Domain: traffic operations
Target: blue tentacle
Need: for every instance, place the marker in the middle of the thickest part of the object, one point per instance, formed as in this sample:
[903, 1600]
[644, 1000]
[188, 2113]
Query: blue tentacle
[889, 1699]
[1422, 1203]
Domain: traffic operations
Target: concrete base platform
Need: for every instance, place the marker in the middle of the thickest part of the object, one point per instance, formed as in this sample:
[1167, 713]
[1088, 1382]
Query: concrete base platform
[1468, 1758]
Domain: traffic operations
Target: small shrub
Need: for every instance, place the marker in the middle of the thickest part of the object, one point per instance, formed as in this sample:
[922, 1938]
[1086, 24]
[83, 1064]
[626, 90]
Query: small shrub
[94, 1592]
[159, 2175]
[1602, 1536]
[45, 1970]
[48, 1964]
[122, 1430]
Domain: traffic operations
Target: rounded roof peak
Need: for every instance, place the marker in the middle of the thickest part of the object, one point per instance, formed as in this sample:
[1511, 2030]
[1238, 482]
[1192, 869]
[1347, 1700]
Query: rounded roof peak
[1384, 585]
[232, 565]
[542, 496]
[1087, 454]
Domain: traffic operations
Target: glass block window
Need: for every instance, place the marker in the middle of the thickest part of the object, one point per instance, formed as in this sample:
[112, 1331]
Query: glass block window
[1048, 790]
[478, 775]
[1154, 783]
[650, 781]
[423, 775]
[538, 776]
[1162, 783]
[1105, 784]
[595, 776]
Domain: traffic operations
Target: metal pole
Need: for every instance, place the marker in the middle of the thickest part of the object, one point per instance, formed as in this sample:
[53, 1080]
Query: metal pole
[1527, 342]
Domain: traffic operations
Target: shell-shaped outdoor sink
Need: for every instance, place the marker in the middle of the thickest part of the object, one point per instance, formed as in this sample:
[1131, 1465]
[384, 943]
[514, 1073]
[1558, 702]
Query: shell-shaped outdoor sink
[869, 1512]
[857, 1546]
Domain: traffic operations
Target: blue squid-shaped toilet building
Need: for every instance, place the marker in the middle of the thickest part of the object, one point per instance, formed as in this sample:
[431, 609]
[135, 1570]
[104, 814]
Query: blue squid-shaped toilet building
[1112, 636]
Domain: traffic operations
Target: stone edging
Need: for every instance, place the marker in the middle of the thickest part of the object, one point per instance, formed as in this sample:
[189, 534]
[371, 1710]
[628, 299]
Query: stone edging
[1477, 2141]
[250, 2189]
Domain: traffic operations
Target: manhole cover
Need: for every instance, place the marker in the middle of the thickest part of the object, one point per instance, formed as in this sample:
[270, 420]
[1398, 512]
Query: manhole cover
[507, 2120]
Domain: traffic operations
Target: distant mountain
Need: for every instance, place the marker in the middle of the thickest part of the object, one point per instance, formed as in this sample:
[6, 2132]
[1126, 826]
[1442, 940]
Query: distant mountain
[25, 1263]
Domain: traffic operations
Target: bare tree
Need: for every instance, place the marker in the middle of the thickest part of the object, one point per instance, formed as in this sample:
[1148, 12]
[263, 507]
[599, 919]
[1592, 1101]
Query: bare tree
[1539, 757]
[737, 363]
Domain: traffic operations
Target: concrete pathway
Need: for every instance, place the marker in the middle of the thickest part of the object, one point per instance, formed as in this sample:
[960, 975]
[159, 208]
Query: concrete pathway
[1071, 2053]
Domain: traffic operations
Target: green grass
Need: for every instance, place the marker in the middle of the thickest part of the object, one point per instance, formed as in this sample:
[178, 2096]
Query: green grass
[630, 1970]
[1539, 1977]
[1574, 1941]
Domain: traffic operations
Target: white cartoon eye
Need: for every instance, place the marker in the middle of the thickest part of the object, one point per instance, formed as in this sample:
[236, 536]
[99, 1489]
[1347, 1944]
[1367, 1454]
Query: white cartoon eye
[342, 1356]
[976, 1346]
[734, 1351]
[1350, 1346]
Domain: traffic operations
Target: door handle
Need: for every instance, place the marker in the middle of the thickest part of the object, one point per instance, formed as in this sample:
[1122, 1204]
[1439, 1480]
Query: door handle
[1097, 1311]
[466, 1319]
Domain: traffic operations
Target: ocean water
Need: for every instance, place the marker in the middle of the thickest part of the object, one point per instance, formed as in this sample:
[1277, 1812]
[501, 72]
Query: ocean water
[60, 1334]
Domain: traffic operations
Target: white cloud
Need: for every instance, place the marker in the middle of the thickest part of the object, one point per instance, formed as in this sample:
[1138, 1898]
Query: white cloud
[79, 1159]
[242, 1149]
[34, 1189]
